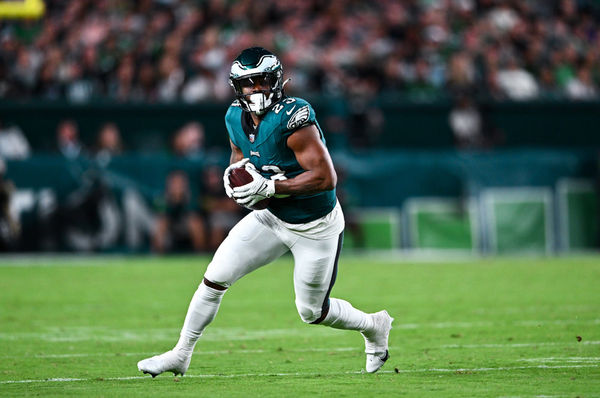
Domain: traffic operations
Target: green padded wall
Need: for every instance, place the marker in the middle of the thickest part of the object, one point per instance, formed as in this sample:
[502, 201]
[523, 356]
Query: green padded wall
[441, 224]
[578, 209]
[519, 219]
[377, 229]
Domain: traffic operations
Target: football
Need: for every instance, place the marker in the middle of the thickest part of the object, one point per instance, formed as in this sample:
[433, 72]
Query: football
[239, 177]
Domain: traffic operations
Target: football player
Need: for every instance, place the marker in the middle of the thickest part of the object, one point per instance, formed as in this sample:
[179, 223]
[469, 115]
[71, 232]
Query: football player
[279, 142]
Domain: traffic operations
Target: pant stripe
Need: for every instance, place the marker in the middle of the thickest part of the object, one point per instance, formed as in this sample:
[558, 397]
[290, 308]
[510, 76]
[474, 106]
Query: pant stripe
[325, 307]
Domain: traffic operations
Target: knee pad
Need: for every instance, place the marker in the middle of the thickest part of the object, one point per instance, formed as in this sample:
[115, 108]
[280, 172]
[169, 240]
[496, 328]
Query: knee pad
[308, 314]
[219, 274]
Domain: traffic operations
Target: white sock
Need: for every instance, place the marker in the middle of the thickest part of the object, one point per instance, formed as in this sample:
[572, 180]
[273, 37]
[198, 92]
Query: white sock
[342, 315]
[201, 312]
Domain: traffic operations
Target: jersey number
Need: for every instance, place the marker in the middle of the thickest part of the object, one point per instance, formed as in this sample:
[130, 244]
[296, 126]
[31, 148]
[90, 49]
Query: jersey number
[278, 107]
[278, 174]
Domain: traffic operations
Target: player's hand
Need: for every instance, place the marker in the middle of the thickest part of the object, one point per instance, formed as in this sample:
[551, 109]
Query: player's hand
[226, 182]
[260, 188]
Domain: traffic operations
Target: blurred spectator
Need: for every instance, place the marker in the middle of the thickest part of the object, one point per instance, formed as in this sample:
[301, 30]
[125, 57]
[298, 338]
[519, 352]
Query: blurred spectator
[67, 139]
[13, 144]
[179, 226]
[517, 83]
[87, 219]
[171, 78]
[548, 87]
[26, 67]
[145, 88]
[198, 88]
[366, 122]
[84, 81]
[121, 83]
[108, 143]
[9, 227]
[503, 16]
[582, 87]
[419, 84]
[471, 126]
[221, 211]
[188, 141]
[466, 124]
[461, 74]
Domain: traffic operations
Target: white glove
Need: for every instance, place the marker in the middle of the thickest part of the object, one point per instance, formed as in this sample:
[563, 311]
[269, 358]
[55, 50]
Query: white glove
[226, 182]
[260, 188]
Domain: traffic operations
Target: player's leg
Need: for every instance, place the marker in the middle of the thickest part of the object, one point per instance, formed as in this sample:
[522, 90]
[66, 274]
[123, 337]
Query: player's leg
[315, 271]
[248, 246]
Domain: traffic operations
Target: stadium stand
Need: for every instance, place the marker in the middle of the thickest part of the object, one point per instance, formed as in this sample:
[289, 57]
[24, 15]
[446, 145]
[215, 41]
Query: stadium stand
[162, 51]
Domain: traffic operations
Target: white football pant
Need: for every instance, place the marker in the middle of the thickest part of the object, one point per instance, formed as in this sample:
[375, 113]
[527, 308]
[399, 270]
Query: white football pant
[260, 238]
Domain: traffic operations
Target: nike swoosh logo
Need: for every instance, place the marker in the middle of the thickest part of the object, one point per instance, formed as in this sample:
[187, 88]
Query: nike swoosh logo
[291, 110]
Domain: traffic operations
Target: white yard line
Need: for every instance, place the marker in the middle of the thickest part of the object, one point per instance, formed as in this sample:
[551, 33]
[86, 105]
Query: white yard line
[199, 352]
[562, 360]
[307, 374]
[518, 345]
[87, 333]
[330, 349]
[59, 260]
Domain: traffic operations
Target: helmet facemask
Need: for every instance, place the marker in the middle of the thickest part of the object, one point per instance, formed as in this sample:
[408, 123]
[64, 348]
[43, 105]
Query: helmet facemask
[258, 101]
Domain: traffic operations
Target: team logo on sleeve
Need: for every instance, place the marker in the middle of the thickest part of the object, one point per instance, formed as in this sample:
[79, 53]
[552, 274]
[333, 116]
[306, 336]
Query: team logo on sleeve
[300, 117]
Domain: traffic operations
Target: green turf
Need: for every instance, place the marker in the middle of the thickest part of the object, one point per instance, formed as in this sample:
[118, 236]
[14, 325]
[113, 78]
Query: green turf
[498, 328]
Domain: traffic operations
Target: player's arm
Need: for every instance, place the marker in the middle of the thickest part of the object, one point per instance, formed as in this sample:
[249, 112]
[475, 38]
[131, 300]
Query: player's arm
[313, 156]
[236, 153]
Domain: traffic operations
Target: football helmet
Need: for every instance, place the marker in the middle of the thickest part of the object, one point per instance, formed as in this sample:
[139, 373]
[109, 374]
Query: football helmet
[254, 65]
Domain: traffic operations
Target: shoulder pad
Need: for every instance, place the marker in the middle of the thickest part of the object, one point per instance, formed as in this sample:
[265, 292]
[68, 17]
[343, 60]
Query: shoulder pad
[232, 120]
[234, 108]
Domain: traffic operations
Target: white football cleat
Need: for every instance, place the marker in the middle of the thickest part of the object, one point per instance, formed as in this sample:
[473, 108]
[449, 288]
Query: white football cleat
[376, 341]
[170, 361]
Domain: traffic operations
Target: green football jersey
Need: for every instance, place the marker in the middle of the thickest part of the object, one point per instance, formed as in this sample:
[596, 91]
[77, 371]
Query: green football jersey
[267, 149]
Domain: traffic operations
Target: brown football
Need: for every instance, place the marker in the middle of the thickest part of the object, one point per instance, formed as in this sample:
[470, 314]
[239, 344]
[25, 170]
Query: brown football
[239, 177]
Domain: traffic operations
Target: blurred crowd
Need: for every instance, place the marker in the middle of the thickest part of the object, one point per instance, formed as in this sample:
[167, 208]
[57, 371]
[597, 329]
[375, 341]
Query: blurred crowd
[191, 212]
[170, 50]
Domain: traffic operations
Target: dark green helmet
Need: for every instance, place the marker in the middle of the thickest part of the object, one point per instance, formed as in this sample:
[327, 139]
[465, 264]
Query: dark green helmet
[252, 65]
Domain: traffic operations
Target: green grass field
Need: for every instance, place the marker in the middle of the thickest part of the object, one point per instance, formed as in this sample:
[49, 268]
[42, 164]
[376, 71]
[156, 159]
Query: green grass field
[492, 327]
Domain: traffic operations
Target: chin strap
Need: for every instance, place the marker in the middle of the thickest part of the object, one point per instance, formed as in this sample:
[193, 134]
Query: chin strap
[285, 82]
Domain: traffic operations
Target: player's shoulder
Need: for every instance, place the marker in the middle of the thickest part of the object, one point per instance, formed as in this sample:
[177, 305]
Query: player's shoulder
[234, 109]
[294, 112]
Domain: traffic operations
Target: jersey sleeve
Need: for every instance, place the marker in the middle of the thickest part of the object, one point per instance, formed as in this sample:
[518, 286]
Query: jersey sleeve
[296, 113]
[233, 112]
